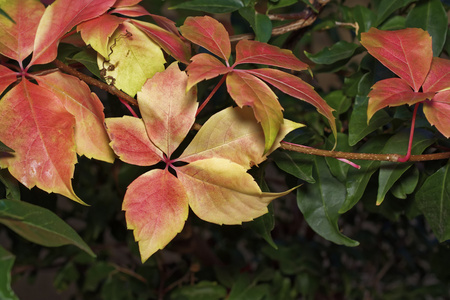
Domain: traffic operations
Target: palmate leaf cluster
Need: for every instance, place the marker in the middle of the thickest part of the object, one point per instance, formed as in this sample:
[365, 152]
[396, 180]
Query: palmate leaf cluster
[197, 154]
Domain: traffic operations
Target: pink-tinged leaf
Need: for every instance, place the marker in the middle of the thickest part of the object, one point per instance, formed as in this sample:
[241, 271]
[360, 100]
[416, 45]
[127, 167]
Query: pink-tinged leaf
[261, 53]
[393, 92]
[170, 42]
[166, 24]
[295, 87]
[96, 32]
[90, 135]
[248, 90]
[16, 40]
[59, 18]
[438, 78]
[130, 141]
[407, 52]
[40, 130]
[131, 11]
[156, 208]
[240, 133]
[222, 192]
[6, 78]
[437, 112]
[208, 33]
[167, 109]
[204, 67]
[125, 3]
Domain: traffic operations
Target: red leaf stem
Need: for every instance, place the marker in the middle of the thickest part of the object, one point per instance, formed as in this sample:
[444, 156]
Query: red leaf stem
[128, 107]
[411, 135]
[211, 94]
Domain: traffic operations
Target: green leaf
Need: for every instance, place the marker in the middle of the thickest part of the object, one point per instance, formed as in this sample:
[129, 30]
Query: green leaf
[394, 23]
[320, 204]
[297, 164]
[390, 172]
[339, 51]
[211, 6]
[95, 275]
[247, 289]
[39, 225]
[88, 58]
[433, 200]
[337, 100]
[11, 185]
[406, 185]
[364, 16]
[4, 148]
[264, 225]
[338, 168]
[261, 24]
[431, 16]
[204, 290]
[6, 263]
[447, 43]
[387, 7]
[279, 4]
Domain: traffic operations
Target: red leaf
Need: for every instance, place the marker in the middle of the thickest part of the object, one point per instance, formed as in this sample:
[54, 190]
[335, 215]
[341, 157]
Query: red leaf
[297, 88]
[437, 112]
[96, 32]
[90, 134]
[393, 92]
[208, 33]
[204, 66]
[131, 11]
[166, 24]
[167, 109]
[130, 141]
[246, 89]
[59, 18]
[438, 78]
[16, 40]
[41, 131]
[6, 78]
[407, 52]
[156, 208]
[169, 41]
[262, 53]
[124, 3]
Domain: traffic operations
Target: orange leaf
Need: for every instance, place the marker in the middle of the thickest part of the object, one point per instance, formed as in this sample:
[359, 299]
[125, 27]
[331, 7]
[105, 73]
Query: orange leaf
[40, 130]
[6, 78]
[438, 79]
[167, 109]
[59, 18]
[208, 33]
[437, 112]
[246, 89]
[125, 3]
[131, 11]
[156, 208]
[407, 52]
[130, 141]
[261, 53]
[204, 67]
[16, 40]
[393, 92]
[90, 134]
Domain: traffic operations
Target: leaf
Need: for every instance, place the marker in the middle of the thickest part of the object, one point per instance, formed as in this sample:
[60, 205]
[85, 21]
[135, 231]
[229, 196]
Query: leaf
[90, 134]
[438, 79]
[211, 6]
[11, 185]
[297, 88]
[59, 18]
[296, 164]
[156, 207]
[407, 184]
[209, 34]
[6, 78]
[88, 58]
[44, 144]
[167, 109]
[97, 32]
[39, 225]
[364, 16]
[260, 23]
[125, 3]
[130, 141]
[387, 7]
[320, 204]
[280, 4]
[253, 52]
[339, 51]
[6, 263]
[390, 172]
[169, 41]
[248, 90]
[243, 135]
[17, 38]
[405, 52]
[437, 112]
[131, 11]
[135, 58]
[222, 192]
[432, 200]
[393, 92]
[203, 290]
[4, 148]
[431, 16]
[203, 67]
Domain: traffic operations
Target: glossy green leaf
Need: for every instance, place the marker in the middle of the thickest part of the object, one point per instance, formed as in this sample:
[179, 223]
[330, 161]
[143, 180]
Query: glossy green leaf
[39, 225]
[89, 60]
[338, 168]
[432, 199]
[11, 185]
[320, 204]
[390, 172]
[406, 184]
[431, 16]
[338, 101]
[339, 51]
[6, 263]
[387, 7]
[261, 24]
[204, 290]
[364, 16]
[264, 225]
[245, 288]
[211, 6]
[297, 164]
[279, 4]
